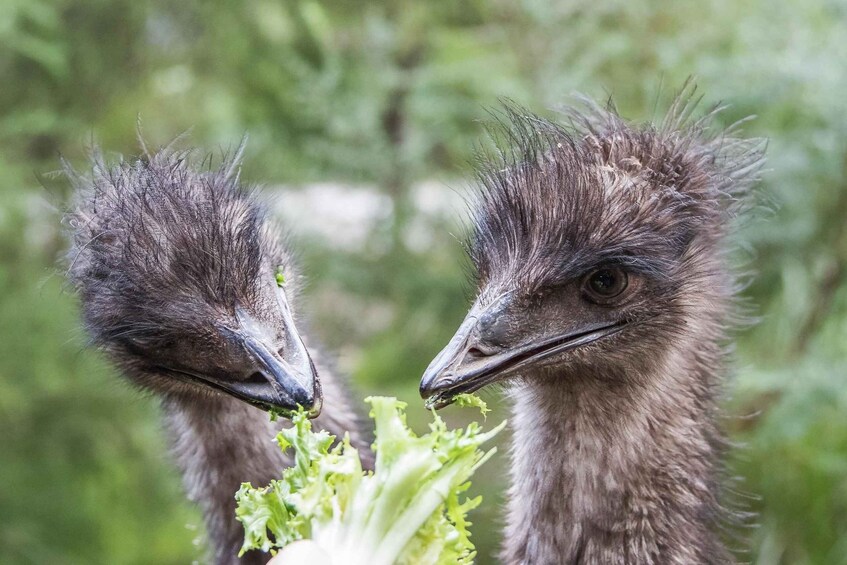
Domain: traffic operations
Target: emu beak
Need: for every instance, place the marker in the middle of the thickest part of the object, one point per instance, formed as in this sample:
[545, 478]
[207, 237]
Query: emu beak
[285, 386]
[469, 362]
[280, 379]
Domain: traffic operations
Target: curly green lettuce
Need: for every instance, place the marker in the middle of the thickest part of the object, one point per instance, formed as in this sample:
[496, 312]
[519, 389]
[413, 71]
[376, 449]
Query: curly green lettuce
[410, 510]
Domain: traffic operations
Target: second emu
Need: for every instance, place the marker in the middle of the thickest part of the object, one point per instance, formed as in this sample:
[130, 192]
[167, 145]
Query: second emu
[177, 268]
[604, 303]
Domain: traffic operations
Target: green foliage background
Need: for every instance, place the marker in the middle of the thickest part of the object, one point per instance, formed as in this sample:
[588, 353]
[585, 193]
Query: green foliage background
[389, 94]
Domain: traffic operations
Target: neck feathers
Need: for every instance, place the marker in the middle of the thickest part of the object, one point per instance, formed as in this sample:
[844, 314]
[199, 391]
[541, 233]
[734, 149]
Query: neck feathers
[220, 442]
[622, 468]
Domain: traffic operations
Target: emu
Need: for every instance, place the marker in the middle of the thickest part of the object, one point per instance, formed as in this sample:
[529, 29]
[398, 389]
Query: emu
[180, 274]
[604, 304]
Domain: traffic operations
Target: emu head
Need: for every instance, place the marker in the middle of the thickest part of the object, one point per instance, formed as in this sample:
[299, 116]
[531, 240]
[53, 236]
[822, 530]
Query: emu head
[180, 275]
[597, 247]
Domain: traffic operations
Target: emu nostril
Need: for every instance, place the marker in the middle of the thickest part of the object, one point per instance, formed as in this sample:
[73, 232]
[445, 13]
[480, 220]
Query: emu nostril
[483, 349]
[256, 378]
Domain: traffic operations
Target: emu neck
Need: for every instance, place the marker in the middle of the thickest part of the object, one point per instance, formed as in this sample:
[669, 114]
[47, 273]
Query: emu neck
[220, 442]
[608, 471]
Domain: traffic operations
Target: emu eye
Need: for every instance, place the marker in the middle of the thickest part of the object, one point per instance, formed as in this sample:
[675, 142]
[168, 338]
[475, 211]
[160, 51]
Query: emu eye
[151, 342]
[604, 284]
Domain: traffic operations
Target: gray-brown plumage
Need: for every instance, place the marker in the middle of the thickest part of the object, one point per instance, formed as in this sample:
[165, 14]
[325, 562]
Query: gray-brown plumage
[604, 302]
[176, 266]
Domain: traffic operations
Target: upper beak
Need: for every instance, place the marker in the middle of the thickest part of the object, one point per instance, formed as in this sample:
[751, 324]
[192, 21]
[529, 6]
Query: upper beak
[469, 363]
[275, 379]
[281, 383]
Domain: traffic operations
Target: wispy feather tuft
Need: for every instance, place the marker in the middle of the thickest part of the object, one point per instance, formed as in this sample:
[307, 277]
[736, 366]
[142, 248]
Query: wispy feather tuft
[557, 198]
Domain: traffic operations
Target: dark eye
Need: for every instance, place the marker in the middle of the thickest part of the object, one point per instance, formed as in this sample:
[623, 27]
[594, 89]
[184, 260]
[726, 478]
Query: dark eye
[605, 284]
[153, 343]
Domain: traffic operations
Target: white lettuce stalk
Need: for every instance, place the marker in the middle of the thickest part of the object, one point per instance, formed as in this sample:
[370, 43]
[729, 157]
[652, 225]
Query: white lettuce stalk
[410, 510]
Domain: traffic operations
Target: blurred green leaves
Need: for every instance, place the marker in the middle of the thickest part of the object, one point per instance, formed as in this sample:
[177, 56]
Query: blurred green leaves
[85, 479]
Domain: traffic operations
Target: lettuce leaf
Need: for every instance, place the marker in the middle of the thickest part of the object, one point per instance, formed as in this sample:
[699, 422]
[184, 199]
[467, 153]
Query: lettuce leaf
[410, 510]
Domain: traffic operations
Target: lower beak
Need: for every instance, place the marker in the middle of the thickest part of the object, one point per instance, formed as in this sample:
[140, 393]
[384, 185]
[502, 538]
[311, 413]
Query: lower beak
[461, 368]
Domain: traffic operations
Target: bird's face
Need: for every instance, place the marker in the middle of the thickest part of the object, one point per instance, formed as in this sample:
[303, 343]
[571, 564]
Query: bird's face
[590, 247]
[251, 350]
[593, 320]
[183, 282]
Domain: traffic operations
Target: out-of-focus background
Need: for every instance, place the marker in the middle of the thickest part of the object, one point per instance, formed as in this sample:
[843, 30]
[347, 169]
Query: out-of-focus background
[362, 119]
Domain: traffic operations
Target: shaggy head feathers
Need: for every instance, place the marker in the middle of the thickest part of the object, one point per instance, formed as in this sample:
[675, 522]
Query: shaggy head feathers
[557, 200]
[164, 249]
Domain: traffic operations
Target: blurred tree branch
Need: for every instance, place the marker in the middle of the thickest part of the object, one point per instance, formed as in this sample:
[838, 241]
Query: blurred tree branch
[834, 271]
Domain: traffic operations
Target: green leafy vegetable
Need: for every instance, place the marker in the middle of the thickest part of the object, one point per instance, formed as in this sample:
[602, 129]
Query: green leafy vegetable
[410, 510]
[473, 401]
[279, 276]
